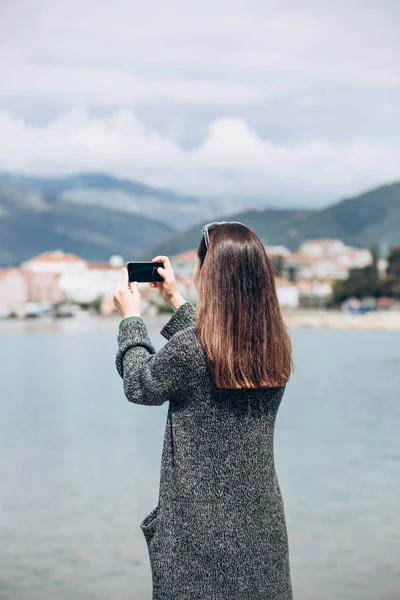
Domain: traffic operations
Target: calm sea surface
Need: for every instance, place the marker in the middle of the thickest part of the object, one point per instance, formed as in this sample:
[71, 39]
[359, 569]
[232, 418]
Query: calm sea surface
[79, 465]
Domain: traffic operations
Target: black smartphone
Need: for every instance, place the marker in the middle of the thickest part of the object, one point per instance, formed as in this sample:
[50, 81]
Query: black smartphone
[144, 270]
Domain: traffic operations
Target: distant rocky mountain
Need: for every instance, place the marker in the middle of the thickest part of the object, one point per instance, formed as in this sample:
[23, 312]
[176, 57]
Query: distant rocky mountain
[372, 217]
[95, 216]
[99, 189]
[32, 222]
[273, 226]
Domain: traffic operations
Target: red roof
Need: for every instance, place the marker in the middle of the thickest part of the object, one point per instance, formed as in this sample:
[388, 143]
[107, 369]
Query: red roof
[5, 270]
[32, 274]
[188, 255]
[320, 242]
[300, 257]
[103, 265]
[56, 256]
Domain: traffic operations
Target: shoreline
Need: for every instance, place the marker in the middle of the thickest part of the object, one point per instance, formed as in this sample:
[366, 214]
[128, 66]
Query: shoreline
[322, 319]
[294, 319]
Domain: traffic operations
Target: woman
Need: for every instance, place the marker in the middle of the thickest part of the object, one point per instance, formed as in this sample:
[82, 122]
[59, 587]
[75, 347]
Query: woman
[218, 531]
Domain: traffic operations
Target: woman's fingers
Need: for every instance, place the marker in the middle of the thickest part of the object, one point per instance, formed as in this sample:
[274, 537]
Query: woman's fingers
[163, 259]
[162, 272]
[168, 285]
[119, 285]
[167, 270]
[124, 285]
[124, 278]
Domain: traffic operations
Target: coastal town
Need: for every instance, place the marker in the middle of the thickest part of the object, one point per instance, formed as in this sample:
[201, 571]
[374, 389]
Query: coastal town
[61, 284]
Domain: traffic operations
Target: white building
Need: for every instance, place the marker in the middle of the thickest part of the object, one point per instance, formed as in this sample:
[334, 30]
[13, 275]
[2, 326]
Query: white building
[13, 292]
[323, 269]
[288, 295]
[183, 263]
[56, 261]
[318, 289]
[97, 280]
[328, 259]
[79, 279]
[323, 248]
[277, 250]
[354, 257]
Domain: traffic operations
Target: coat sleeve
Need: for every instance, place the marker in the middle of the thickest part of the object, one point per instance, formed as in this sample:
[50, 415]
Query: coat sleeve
[183, 317]
[149, 377]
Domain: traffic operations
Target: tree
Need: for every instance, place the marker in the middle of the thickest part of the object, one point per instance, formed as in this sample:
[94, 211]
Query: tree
[361, 281]
[292, 274]
[279, 264]
[392, 284]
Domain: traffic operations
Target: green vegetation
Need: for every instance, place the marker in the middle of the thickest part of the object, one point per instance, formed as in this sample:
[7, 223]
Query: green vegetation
[32, 222]
[372, 217]
[90, 305]
[279, 264]
[366, 282]
[392, 284]
[35, 215]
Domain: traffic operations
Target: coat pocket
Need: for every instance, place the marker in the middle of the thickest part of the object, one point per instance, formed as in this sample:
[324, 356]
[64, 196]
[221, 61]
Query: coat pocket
[149, 524]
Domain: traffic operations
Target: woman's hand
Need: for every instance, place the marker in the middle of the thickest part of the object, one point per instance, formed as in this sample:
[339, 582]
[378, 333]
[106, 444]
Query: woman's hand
[127, 296]
[167, 288]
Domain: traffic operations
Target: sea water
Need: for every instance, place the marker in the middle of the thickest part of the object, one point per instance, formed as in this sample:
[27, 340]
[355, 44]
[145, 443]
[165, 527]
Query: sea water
[80, 465]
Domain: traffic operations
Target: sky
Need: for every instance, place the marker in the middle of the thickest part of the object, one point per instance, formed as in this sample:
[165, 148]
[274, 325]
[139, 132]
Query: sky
[294, 102]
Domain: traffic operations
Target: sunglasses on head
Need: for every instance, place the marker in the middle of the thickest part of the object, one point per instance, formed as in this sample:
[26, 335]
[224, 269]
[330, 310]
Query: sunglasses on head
[213, 225]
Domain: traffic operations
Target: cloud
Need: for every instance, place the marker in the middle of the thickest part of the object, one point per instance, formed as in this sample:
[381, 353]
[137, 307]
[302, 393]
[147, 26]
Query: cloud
[294, 72]
[277, 99]
[225, 53]
[110, 86]
[232, 159]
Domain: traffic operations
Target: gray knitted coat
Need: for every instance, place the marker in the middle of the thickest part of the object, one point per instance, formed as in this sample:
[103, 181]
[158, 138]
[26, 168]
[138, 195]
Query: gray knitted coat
[218, 531]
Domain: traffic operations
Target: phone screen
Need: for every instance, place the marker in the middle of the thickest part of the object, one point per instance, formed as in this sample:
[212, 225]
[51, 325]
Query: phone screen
[143, 271]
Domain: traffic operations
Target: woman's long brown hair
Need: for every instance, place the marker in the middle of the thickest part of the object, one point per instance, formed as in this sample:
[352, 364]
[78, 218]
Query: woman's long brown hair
[239, 321]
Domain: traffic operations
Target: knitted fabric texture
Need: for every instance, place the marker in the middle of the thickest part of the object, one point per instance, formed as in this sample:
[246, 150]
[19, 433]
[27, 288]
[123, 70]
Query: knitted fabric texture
[218, 531]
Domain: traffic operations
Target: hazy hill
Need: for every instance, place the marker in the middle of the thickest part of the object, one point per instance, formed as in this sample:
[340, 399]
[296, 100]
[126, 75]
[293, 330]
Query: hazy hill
[373, 216]
[99, 189]
[38, 214]
[31, 222]
[360, 221]
[271, 225]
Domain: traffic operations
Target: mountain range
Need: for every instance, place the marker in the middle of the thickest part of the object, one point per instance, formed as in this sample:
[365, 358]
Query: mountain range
[32, 222]
[95, 215]
[372, 217]
[125, 195]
